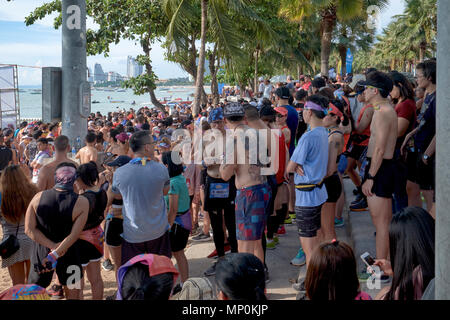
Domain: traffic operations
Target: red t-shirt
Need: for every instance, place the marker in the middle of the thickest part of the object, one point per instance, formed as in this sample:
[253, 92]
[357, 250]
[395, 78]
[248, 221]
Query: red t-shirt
[407, 110]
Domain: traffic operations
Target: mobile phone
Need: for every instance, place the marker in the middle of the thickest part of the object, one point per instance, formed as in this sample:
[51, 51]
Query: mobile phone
[368, 260]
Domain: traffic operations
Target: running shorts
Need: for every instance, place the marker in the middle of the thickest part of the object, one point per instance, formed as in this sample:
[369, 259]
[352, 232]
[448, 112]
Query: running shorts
[113, 231]
[385, 180]
[334, 188]
[251, 207]
[308, 221]
[178, 237]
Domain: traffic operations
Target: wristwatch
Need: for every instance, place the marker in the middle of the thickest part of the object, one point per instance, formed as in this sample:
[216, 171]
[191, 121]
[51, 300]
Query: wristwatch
[369, 177]
[425, 157]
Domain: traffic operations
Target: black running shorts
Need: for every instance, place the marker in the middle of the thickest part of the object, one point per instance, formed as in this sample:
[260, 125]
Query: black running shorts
[385, 179]
[113, 230]
[334, 188]
[308, 221]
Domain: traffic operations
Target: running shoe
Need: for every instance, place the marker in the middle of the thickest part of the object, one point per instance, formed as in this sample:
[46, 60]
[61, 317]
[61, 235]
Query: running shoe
[266, 274]
[299, 286]
[288, 221]
[56, 292]
[276, 240]
[338, 223]
[300, 258]
[201, 238]
[107, 265]
[359, 206]
[281, 231]
[226, 248]
[358, 198]
[270, 244]
[211, 270]
[292, 215]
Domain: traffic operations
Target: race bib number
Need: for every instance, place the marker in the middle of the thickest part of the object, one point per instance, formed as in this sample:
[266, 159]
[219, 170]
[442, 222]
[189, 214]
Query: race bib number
[219, 190]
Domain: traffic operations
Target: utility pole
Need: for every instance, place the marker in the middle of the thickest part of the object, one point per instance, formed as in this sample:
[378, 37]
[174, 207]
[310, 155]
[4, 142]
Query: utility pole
[442, 153]
[75, 88]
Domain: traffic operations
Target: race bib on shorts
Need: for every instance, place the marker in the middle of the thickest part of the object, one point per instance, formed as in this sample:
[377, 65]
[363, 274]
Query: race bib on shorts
[219, 190]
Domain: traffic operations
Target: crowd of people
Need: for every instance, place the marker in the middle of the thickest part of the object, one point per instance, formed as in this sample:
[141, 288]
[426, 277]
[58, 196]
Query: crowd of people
[129, 201]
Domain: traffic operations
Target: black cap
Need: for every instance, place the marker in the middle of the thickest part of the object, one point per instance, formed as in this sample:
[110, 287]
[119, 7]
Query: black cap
[379, 80]
[119, 161]
[283, 93]
[233, 110]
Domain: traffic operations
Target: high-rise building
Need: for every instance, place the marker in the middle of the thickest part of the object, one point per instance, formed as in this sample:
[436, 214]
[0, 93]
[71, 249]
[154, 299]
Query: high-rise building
[134, 69]
[90, 75]
[99, 75]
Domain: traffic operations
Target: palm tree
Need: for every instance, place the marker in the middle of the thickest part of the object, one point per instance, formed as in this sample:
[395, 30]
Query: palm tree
[217, 26]
[330, 12]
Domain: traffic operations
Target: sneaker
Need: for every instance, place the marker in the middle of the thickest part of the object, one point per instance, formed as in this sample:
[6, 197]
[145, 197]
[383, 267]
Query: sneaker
[107, 265]
[359, 206]
[300, 258]
[276, 240]
[211, 271]
[56, 292]
[226, 247]
[358, 198]
[288, 220]
[176, 289]
[338, 223]
[270, 244]
[292, 215]
[281, 231]
[202, 237]
[266, 274]
[299, 286]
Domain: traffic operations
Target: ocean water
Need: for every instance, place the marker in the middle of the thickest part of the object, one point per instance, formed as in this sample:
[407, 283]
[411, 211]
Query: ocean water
[31, 104]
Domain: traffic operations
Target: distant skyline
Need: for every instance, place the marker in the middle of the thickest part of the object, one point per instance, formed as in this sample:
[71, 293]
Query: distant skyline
[40, 44]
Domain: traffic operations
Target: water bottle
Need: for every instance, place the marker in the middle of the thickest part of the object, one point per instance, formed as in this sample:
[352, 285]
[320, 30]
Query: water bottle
[78, 144]
[74, 152]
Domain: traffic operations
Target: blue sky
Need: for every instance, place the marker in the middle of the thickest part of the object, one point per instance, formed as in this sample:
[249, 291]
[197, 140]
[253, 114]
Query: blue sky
[40, 45]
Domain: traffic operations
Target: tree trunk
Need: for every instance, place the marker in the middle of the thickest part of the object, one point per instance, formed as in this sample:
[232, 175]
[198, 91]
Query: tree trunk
[422, 49]
[213, 69]
[328, 21]
[343, 55]
[299, 71]
[256, 72]
[148, 67]
[201, 61]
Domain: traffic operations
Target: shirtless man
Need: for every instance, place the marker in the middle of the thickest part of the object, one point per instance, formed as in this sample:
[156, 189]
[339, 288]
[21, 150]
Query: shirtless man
[380, 171]
[46, 174]
[219, 197]
[253, 192]
[89, 152]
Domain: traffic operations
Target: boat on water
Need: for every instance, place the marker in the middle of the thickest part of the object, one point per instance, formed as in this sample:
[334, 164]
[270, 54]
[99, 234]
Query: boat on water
[123, 90]
[36, 91]
[95, 101]
[116, 101]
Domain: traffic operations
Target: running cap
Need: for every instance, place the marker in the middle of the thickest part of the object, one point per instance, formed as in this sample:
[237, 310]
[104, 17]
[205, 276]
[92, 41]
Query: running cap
[215, 115]
[25, 292]
[379, 80]
[282, 110]
[234, 109]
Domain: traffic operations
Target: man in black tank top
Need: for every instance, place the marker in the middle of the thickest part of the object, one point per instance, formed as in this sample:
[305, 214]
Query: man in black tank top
[54, 220]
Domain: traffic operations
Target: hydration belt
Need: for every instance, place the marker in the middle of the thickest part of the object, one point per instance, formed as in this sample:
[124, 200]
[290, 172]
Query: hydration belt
[309, 187]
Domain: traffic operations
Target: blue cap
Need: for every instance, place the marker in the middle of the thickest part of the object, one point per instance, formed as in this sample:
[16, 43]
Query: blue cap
[215, 115]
